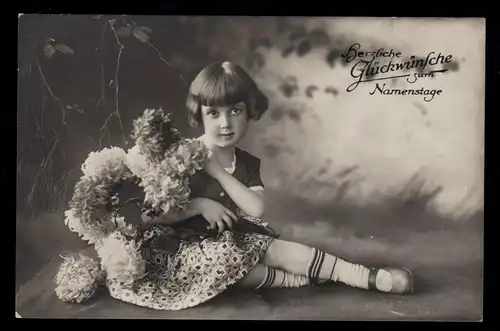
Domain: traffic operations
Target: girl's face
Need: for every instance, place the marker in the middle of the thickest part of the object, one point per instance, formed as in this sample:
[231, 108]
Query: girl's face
[225, 126]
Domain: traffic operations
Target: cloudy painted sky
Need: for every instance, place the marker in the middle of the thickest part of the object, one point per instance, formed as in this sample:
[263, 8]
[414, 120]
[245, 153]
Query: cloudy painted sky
[385, 139]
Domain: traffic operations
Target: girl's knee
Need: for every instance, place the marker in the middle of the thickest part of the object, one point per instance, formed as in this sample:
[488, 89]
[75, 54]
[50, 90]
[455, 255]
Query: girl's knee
[254, 277]
[282, 253]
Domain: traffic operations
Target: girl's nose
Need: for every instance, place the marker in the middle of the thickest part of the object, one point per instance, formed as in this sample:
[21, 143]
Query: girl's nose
[225, 121]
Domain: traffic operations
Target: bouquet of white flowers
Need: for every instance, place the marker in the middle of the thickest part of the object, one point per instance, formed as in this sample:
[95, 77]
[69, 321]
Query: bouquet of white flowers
[161, 164]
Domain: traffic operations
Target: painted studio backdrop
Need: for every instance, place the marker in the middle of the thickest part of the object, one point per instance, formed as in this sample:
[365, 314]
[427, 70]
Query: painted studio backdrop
[382, 163]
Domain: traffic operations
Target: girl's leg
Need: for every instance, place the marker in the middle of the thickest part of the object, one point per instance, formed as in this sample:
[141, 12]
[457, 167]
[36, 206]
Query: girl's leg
[317, 265]
[263, 276]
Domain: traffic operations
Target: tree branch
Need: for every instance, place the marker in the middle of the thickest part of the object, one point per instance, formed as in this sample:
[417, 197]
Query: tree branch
[103, 79]
[52, 94]
[150, 44]
[117, 86]
[60, 145]
[165, 61]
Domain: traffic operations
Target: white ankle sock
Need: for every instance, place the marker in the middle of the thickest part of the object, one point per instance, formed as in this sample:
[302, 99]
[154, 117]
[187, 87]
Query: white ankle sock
[275, 278]
[328, 267]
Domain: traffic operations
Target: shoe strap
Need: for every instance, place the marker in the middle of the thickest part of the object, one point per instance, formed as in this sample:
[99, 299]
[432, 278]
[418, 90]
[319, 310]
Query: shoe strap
[372, 278]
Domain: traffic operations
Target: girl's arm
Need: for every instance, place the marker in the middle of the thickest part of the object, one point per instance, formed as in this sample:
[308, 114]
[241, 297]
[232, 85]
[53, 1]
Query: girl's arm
[194, 208]
[213, 212]
[249, 201]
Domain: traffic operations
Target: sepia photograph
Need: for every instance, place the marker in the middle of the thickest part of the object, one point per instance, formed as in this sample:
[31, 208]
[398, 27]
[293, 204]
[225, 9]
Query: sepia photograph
[250, 168]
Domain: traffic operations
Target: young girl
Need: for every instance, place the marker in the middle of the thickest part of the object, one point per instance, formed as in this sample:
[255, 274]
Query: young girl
[223, 99]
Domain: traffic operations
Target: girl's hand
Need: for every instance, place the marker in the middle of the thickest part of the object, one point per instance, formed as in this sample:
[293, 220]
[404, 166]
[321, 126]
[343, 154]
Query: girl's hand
[217, 215]
[213, 167]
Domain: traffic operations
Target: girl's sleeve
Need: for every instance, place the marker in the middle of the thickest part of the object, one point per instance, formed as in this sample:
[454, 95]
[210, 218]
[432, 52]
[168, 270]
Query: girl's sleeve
[255, 181]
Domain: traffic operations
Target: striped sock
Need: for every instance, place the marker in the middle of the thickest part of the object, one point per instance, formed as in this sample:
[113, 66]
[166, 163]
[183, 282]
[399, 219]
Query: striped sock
[323, 266]
[276, 278]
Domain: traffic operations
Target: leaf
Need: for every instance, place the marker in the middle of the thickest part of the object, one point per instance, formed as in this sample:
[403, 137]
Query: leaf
[49, 50]
[319, 37]
[331, 90]
[255, 60]
[253, 44]
[64, 49]
[145, 29]
[264, 42]
[294, 115]
[287, 51]
[297, 34]
[288, 89]
[141, 33]
[277, 114]
[333, 56]
[303, 48]
[272, 150]
[124, 31]
[310, 90]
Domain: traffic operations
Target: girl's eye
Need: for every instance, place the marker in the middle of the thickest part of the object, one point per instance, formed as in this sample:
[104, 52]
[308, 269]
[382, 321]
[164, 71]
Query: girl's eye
[236, 110]
[212, 113]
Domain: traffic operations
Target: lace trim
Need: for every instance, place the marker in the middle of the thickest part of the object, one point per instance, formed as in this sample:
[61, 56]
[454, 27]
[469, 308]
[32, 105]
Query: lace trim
[233, 165]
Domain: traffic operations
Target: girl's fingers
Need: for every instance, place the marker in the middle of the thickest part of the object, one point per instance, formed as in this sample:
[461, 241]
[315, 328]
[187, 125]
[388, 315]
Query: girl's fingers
[227, 219]
[212, 225]
[220, 224]
[208, 143]
[230, 213]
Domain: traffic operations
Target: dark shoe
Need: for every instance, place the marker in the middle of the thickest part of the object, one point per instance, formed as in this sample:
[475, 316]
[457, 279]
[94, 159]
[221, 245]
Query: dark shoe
[402, 280]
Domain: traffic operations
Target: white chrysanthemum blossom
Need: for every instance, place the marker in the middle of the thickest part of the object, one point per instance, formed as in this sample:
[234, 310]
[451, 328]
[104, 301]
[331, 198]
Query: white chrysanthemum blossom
[137, 162]
[121, 258]
[90, 234]
[78, 278]
[103, 161]
[92, 193]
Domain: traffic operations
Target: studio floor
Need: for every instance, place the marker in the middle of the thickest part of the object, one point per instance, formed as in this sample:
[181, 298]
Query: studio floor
[447, 264]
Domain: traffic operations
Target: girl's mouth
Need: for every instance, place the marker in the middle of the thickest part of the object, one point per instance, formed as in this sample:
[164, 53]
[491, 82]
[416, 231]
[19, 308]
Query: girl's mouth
[226, 135]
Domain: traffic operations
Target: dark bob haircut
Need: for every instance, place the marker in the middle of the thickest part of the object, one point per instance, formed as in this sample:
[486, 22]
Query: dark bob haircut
[223, 84]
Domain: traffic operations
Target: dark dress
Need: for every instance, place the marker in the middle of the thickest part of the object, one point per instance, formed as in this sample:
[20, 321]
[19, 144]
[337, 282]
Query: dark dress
[197, 271]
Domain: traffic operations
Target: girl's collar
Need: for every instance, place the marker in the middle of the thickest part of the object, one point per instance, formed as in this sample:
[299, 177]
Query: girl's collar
[233, 165]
